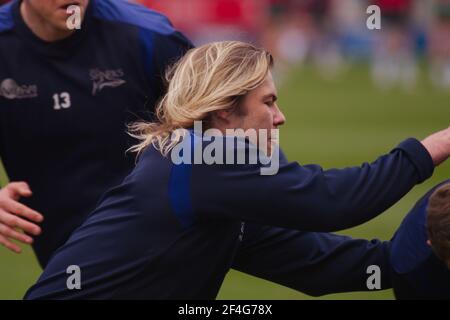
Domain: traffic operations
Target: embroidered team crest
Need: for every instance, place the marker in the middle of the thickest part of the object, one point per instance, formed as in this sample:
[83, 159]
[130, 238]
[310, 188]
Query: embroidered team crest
[106, 78]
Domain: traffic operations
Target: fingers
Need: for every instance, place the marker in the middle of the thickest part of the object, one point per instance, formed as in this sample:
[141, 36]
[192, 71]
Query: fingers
[10, 233]
[11, 213]
[19, 209]
[13, 221]
[8, 244]
[19, 189]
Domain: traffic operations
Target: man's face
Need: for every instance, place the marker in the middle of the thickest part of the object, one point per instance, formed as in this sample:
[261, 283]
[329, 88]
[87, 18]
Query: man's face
[259, 110]
[54, 12]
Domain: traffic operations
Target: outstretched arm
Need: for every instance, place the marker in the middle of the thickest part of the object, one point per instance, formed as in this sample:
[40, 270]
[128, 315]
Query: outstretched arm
[313, 263]
[307, 197]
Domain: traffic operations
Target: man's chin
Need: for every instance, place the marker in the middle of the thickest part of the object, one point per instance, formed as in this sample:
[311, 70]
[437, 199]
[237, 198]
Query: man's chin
[62, 27]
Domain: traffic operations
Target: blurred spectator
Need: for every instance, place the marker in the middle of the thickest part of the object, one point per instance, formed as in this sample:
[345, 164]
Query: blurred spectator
[394, 61]
[440, 45]
[306, 31]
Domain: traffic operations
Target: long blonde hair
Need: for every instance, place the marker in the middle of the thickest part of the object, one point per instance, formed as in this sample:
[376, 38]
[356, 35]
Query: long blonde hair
[209, 78]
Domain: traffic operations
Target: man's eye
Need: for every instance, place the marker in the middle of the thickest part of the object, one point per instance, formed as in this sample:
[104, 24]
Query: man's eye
[269, 103]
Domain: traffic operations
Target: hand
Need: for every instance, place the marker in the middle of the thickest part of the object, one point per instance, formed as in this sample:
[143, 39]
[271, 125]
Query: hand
[11, 213]
[438, 145]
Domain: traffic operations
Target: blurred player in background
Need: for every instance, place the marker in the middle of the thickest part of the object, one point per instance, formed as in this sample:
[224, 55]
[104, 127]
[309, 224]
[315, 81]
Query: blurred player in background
[394, 63]
[66, 96]
[440, 45]
[420, 249]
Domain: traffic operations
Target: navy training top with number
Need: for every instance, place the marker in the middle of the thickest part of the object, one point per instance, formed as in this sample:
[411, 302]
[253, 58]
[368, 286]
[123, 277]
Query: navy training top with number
[64, 106]
[418, 273]
[178, 241]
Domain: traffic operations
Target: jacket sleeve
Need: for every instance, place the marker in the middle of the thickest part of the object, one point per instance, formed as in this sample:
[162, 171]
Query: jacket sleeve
[307, 197]
[313, 263]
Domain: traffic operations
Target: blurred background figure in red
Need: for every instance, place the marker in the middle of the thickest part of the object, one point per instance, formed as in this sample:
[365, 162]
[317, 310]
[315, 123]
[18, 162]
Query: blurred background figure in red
[214, 20]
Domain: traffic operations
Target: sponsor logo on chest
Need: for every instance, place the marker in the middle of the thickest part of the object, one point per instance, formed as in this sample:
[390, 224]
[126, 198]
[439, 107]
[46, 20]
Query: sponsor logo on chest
[10, 89]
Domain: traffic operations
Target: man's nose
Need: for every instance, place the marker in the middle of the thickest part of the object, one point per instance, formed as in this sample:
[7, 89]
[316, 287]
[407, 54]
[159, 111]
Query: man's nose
[279, 119]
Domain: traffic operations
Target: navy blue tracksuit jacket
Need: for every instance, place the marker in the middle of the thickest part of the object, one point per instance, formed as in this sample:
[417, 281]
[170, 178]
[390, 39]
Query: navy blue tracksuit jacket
[172, 231]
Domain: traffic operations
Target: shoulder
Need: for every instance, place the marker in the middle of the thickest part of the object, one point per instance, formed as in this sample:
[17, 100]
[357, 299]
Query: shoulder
[6, 16]
[408, 246]
[161, 43]
[132, 14]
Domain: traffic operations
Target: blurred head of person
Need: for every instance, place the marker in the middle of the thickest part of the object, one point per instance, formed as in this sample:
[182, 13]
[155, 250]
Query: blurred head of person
[226, 85]
[438, 223]
[48, 18]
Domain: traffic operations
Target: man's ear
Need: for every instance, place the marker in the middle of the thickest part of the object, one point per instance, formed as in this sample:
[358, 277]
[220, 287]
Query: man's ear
[223, 115]
[429, 242]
